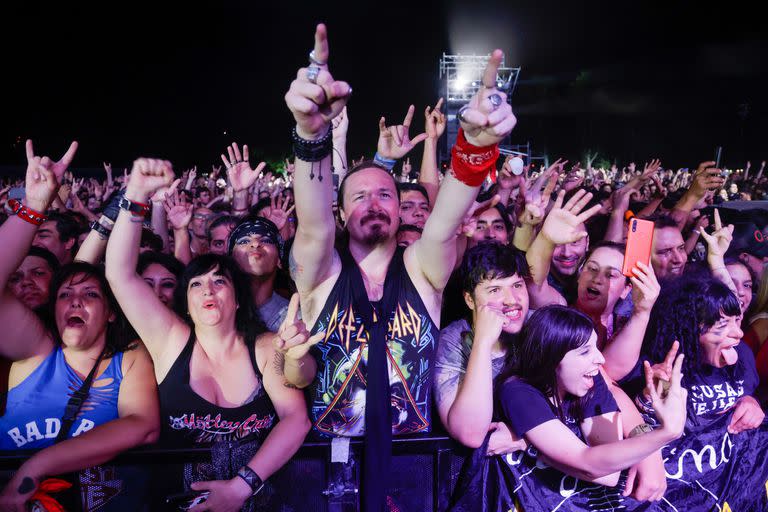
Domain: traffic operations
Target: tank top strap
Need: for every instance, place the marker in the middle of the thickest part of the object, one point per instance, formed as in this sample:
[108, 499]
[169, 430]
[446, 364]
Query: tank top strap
[252, 354]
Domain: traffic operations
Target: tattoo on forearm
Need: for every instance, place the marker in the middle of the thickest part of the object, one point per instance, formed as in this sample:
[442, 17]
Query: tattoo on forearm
[27, 485]
[293, 267]
[278, 362]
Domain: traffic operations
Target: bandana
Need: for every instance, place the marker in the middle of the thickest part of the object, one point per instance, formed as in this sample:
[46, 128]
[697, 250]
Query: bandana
[265, 228]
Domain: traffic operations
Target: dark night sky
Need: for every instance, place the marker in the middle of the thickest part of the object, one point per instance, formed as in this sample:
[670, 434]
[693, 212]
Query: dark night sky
[673, 79]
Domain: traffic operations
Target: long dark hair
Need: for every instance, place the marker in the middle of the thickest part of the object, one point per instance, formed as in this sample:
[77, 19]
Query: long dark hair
[688, 307]
[120, 336]
[549, 334]
[248, 322]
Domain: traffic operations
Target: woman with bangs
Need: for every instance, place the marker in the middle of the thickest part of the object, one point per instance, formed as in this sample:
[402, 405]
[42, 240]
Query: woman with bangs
[220, 385]
[556, 398]
[88, 339]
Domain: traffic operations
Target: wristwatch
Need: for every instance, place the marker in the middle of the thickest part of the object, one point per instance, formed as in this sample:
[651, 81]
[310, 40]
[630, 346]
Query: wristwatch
[136, 208]
[639, 430]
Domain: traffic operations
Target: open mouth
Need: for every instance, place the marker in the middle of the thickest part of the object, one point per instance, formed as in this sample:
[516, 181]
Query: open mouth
[209, 305]
[593, 293]
[676, 270]
[513, 314]
[75, 321]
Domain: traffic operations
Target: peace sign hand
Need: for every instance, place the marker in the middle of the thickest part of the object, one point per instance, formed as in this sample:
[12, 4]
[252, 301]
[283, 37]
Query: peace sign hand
[241, 175]
[293, 339]
[44, 176]
[488, 118]
[395, 141]
[315, 101]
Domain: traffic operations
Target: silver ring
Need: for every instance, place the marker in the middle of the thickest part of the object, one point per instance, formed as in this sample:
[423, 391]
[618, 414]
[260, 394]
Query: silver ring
[460, 113]
[312, 72]
[496, 100]
[313, 59]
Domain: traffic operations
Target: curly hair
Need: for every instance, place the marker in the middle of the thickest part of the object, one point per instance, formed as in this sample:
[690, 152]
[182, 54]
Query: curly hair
[687, 309]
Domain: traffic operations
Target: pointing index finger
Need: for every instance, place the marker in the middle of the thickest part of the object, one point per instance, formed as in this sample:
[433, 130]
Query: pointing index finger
[492, 69]
[321, 44]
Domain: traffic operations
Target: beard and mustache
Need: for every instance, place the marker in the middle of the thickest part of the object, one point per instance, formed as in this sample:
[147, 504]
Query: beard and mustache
[377, 234]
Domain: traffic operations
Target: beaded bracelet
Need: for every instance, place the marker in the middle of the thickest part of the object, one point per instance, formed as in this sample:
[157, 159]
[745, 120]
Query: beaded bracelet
[312, 150]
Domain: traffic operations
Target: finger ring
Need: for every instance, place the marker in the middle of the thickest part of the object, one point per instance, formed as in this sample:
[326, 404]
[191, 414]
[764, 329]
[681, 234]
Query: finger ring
[496, 100]
[312, 72]
[313, 59]
[460, 113]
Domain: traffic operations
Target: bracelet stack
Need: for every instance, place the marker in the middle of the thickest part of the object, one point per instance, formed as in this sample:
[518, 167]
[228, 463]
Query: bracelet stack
[312, 150]
[103, 226]
[137, 209]
[25, 213]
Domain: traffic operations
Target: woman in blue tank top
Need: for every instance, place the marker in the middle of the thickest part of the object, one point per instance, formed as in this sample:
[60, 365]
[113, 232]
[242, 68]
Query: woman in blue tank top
[50, 363]
[220, 383]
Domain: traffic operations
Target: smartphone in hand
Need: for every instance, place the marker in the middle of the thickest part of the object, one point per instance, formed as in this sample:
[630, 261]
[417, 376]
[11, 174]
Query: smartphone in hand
[639, 241]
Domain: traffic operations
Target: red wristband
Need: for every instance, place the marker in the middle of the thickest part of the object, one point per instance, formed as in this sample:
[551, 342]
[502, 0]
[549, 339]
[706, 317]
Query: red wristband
[26, 214]
[471, 163]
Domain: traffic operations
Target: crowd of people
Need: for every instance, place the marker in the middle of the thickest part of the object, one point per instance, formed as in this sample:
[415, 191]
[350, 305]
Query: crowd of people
[245, 308]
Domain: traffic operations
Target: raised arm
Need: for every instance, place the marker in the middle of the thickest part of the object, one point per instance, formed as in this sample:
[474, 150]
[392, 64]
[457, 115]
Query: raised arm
[159, 328]
[179, 216]
[340, 130]
[717, 245]
[705, 178]
[485, 121]
[314, 99]
[434, 125]
[23, 333]
[623, 351]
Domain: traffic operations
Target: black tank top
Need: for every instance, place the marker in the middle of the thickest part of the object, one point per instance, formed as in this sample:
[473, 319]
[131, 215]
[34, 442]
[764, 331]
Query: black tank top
[188, 419]
[338, 393]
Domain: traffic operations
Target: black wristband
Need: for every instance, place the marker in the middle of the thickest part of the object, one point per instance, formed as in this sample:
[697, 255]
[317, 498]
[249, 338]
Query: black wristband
[103, 231]
[312, 150]
[251, 478]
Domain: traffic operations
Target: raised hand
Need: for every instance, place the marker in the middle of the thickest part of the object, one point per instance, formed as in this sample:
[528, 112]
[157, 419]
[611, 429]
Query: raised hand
[241, 175]
[507, 180]
[290, 168]
[670, 408]
[293, 339]
[148, 175]
[660, 373]
[706, 178]
[488, 118]
[44, 176]
[162, 193]
[395, 141]
[179, 213]
[340, 125]
[315, 101]
[620, 198]
[434, 121]
[537, 200]
[573, 179]
[469, 223]
[280, 210]
[645, 288]
[562, 224]
[719, 241]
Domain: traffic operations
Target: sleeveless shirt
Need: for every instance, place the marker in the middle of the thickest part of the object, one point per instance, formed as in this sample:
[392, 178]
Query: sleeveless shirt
[188, 419]
[339, 391]
[35, 407]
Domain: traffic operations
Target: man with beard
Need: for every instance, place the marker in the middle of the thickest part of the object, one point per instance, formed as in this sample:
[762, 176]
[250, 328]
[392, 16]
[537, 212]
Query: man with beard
[378, 305]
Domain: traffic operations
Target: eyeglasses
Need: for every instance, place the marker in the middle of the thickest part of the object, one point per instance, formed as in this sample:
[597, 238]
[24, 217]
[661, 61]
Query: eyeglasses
[609, 272]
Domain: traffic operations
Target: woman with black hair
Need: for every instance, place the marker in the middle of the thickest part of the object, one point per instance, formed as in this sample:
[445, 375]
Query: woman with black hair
[218, 373]
[722, 458]
[162, 273]
[555, 398]
[88, 336]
